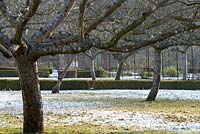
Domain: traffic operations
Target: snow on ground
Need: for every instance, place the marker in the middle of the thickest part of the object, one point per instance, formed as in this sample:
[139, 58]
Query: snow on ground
[78, 111]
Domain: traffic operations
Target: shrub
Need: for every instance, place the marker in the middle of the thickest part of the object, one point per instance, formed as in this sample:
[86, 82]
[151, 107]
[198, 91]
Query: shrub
[104, 72]
[147, 74]
[125, 73]
[170, 71]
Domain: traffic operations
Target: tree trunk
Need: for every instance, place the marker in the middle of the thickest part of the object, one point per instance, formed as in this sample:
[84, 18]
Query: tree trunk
[32, 100]
[156, 79]
[56, 88]
[93, 75]
[119, 70]
[185, 65]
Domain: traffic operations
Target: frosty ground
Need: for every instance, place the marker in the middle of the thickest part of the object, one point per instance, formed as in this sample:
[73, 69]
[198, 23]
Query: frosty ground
[174, 111]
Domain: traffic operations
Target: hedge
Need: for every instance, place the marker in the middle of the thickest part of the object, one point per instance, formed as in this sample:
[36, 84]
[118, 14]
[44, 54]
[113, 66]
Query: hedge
[80, 74]
[104, 84]
[87, 74]
[9, 84]
[14, 73]
[7, 68]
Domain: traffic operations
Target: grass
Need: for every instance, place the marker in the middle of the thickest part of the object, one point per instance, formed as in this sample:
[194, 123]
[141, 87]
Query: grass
[84, 129]
[161, 105]
[171, 110]
[158, 106]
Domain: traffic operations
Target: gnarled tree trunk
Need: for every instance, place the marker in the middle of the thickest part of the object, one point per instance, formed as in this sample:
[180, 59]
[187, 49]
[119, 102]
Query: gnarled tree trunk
[56, 88]
[119, 70]
[156, 79]
[32, 100]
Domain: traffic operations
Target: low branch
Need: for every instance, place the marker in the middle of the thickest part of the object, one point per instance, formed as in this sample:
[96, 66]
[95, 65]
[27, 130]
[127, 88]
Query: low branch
[52, 49]
[5, 40]
[5, 52]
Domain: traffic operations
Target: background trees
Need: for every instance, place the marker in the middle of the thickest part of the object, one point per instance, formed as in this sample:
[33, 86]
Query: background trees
[31, 29]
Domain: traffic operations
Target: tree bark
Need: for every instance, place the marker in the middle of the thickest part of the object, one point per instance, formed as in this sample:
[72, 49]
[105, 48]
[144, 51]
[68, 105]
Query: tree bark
[56, 88]
[119, 70]
[156, 79]
[32, 100]
[92, 70]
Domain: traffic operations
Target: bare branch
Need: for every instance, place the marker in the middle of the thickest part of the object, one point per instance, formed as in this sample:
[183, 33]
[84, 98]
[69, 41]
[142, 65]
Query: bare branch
[190, 3]
[5, 41]
[28, 15]
[5, 52]
[114, 7]
[57, 19]
[7, 14]
[158, 38]
[81, 18]
[129, 28]
[4, 44]
[52, 49]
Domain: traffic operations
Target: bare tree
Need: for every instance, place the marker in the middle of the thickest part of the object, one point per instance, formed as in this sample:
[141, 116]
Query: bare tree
[31, 29]
[92, 54]
[184, 40]
[61, 76]
[121, 59]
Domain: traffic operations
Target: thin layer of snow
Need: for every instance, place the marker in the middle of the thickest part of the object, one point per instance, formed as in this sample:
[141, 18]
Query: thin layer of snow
[79, 111]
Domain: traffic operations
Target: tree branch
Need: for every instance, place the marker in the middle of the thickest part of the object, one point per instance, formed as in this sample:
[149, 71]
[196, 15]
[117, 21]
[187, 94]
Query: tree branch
[7, 14]
[52, 49]
[4, 45]
[81, 18]
[158, 38]
[37, 38]
[129, 28]
[114, 7]
[189, 3]
[25, 19]
[16, 42]
[5, 41]
[5, 52]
